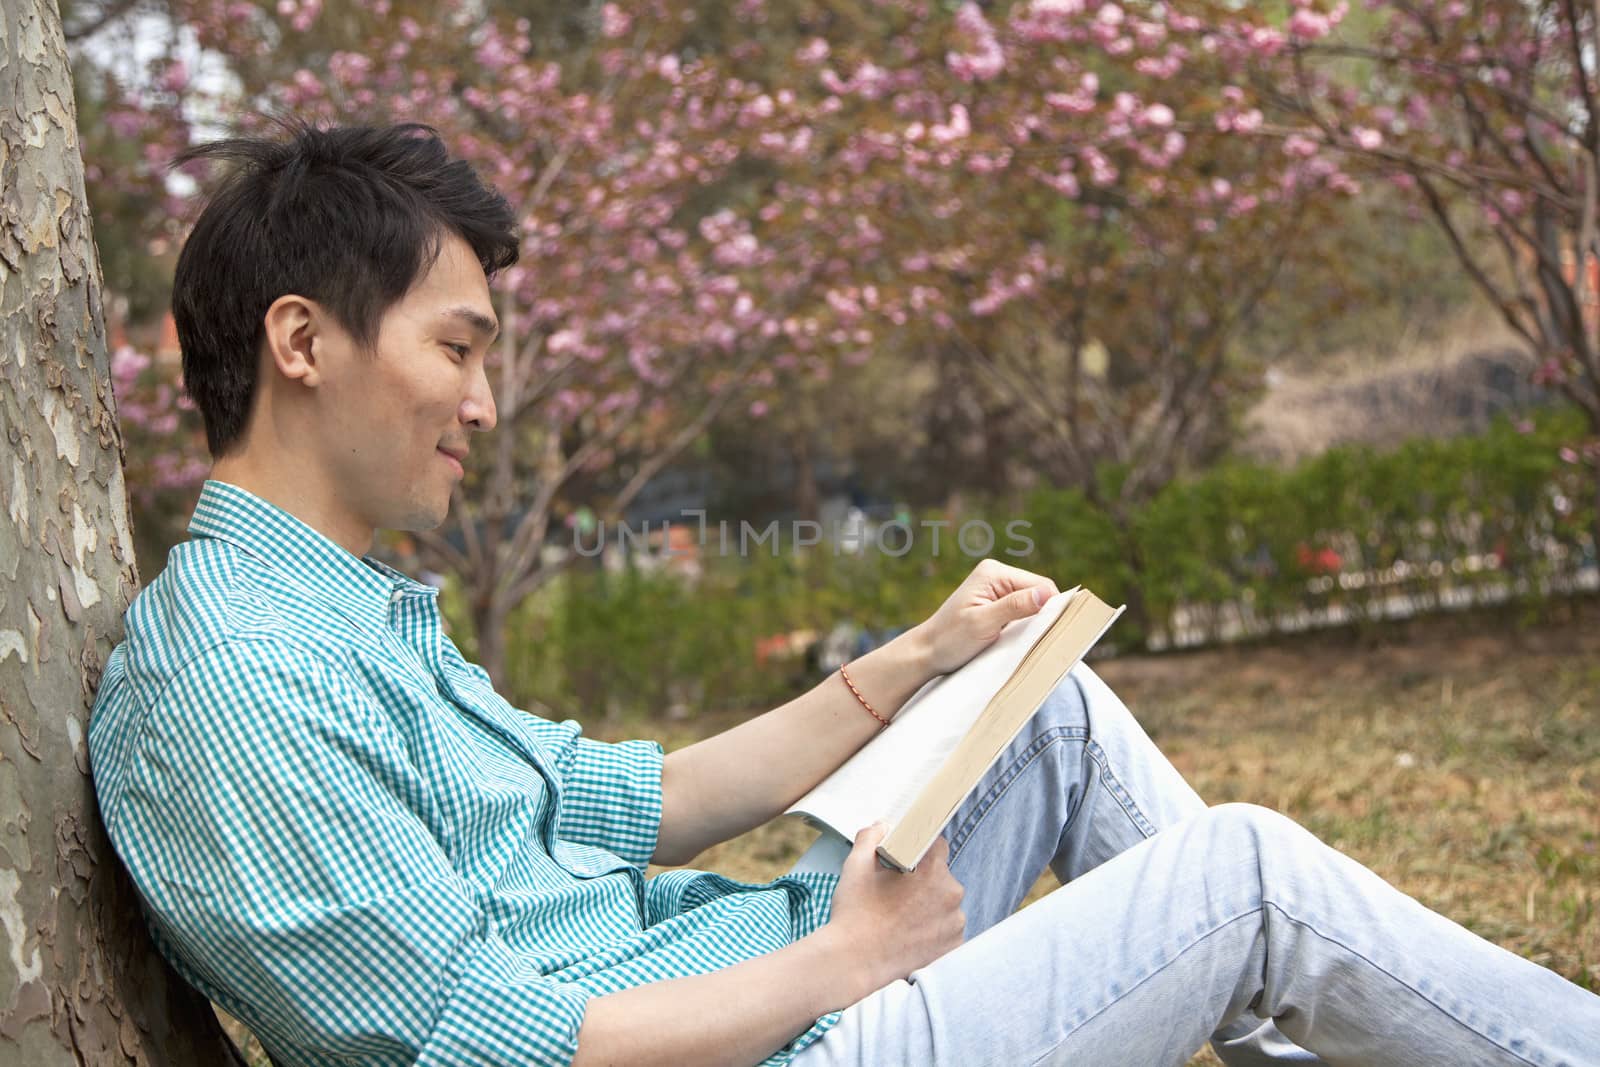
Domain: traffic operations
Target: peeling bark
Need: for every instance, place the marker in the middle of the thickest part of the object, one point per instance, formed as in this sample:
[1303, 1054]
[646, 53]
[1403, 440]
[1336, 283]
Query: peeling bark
[79, 980]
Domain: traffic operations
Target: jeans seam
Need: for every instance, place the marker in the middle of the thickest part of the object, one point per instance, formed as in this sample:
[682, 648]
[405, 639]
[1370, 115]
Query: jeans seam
[1013, 771]
[1114, 784]
[1119, 792]
[1440, 1008]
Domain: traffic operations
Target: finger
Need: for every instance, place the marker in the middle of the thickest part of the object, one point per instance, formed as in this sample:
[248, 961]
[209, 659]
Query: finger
[867, 839]
[1017, 578]
[1012, 606]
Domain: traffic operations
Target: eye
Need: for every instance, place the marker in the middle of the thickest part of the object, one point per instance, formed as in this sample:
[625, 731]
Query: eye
[461, 351]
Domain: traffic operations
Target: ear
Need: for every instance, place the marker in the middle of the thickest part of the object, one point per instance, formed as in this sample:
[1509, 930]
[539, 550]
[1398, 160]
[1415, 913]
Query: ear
[296, 337]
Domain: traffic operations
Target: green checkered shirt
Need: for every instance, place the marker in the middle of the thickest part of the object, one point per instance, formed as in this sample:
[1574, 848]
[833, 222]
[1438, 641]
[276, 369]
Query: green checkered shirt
[341, 834]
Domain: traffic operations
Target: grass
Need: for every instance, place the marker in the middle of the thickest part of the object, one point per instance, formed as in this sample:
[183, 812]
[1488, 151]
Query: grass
[1459, 758]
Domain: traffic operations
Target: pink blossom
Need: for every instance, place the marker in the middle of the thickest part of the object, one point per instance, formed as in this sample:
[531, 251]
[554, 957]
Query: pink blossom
[1299, 146]
[813, 52]
[985, 59]
[1239, 122]
[1063, 182]
[1366, 138]
[563, 341]
[1343, 183]
[125, 124]
[1309, 25]
[956, 129]
[176, 77]
[1078, 103]
[614, 22]
[1265, 41]
[306, 16]
[349, 68]
[127, 363]
[1158, 115]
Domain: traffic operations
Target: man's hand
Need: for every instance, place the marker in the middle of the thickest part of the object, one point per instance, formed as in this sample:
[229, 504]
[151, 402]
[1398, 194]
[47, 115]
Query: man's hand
[972, 617]
[888, 923]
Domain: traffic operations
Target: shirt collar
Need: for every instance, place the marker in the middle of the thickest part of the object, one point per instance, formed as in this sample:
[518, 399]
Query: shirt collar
[359, 586]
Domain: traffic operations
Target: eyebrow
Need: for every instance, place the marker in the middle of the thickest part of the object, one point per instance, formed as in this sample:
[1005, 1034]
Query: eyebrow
[479, 322]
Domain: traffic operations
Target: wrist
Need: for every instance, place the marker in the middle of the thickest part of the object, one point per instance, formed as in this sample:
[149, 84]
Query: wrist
[843, 959]
[916, 646]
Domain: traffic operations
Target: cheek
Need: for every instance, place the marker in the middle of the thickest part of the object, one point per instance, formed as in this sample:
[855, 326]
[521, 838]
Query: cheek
[440, 396]
[432, 415]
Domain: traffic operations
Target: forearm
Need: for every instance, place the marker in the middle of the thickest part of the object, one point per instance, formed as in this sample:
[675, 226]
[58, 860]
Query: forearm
[719, 788]
[736, 1016]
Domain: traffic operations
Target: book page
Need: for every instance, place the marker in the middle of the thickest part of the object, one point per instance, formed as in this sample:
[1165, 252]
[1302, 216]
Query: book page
[883, 779]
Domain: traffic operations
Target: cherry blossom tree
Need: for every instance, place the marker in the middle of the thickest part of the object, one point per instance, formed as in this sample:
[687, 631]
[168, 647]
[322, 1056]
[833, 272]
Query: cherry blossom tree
[721, 204]
[1486, 114]
[645, 300]
[1064, 193]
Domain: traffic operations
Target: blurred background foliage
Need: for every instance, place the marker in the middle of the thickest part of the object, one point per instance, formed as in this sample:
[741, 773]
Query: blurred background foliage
[1368, 431]
[1354, 536]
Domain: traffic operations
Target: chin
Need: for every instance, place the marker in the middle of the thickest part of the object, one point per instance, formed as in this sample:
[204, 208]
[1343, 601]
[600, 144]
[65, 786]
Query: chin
[425, 517]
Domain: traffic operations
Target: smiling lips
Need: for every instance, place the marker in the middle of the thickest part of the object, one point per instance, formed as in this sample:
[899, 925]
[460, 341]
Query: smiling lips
[455, 456]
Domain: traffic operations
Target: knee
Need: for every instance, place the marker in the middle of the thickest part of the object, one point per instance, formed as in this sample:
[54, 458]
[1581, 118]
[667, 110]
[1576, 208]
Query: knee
[1082, 700]
[1064, 707]
[1250, 828]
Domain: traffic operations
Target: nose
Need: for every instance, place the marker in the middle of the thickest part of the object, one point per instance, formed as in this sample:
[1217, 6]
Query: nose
[477, 407]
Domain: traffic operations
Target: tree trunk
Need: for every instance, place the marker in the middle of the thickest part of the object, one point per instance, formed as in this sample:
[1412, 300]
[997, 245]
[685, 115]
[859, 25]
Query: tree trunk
[79, 980]
[1137, 605]
[1594, 523]
[489, 627]
[807, 495]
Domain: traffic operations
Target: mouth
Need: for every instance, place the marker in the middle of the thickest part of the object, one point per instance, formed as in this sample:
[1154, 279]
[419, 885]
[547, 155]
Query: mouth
[454, 458]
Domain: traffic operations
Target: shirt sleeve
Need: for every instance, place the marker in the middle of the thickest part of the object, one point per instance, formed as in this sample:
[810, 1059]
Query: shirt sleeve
[611, 793]
[288, 854]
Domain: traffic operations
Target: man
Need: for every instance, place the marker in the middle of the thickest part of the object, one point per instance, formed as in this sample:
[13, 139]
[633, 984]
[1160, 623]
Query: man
[342, 835]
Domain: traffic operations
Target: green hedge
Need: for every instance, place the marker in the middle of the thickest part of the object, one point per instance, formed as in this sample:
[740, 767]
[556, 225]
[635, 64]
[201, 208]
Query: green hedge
[1241, 535]
[1427, 518]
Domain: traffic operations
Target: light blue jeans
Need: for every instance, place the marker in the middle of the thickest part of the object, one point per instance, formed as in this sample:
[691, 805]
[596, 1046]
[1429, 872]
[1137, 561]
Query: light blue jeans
[1177, 924]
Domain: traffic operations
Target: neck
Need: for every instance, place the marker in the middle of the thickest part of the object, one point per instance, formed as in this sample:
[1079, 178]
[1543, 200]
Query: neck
[304, 495]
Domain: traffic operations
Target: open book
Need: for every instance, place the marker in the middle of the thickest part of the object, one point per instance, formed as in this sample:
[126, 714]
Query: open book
[915, 772]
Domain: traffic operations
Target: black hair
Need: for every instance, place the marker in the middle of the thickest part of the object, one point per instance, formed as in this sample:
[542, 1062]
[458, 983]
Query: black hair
[351, 217]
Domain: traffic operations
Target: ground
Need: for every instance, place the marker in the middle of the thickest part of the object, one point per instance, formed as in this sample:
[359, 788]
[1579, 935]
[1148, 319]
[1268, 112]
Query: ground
[1460, 759]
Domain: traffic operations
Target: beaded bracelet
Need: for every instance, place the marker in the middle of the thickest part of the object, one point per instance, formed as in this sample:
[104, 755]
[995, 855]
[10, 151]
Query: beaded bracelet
[859, 697]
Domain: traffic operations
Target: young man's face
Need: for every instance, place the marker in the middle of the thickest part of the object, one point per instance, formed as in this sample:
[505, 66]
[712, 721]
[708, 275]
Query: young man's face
[397, 423]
